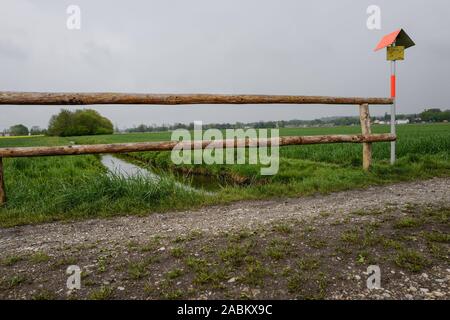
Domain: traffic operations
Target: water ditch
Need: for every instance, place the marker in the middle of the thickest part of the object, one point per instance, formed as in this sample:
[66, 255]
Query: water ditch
[127, 169]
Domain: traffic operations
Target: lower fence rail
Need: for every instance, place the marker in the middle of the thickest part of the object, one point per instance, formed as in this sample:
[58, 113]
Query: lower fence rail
[169, 145]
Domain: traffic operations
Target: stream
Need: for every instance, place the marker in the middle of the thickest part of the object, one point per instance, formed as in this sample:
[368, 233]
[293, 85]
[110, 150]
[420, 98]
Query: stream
[130, 170]
[126, 169]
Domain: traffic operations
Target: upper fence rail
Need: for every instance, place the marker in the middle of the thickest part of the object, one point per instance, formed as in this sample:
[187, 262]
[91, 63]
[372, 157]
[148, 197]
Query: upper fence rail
[41, 98]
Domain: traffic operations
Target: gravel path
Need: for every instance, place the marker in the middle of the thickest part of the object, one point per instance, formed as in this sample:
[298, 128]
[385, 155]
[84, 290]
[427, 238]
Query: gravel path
[215, 219]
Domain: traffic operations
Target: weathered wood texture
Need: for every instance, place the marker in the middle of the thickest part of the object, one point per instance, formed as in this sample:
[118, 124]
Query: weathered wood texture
[365, 128]
[37, 98]
[2, 184]
[169, 145]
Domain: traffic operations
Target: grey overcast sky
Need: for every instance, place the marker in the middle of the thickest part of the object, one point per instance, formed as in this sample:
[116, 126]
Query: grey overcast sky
[320, 47]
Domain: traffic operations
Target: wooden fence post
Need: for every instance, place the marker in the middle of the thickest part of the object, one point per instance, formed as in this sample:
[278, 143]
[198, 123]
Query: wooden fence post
[365, 128]
[2, 185]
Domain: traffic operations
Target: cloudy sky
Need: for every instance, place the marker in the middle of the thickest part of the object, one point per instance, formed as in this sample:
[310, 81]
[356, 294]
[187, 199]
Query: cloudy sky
[320, 47]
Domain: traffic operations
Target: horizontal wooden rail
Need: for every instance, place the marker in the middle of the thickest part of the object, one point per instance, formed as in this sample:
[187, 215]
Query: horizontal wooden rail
[169, 145]
[37, 98]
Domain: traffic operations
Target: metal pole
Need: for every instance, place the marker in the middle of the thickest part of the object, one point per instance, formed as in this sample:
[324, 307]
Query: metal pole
[393, 107]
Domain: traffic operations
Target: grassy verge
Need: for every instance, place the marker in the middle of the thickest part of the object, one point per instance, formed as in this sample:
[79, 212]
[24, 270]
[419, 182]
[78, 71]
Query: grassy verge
[48, 189]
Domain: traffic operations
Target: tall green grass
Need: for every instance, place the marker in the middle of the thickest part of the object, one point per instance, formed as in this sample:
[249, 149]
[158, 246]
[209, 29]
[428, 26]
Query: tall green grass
[413, 140]
[46, 189]
[415, 143]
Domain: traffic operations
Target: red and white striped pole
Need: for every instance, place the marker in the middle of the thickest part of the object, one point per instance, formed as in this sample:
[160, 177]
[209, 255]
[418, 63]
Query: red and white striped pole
[393, 106]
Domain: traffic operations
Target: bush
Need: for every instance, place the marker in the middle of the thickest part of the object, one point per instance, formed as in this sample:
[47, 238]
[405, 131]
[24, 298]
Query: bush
[18, 130]
[79, 123]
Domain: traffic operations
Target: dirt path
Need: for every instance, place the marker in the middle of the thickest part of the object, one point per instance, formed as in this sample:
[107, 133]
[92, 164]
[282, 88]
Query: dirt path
[310, 247]
[216, 219]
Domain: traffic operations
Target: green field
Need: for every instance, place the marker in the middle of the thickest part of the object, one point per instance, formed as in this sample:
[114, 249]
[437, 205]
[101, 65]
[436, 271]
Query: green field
[71, 187]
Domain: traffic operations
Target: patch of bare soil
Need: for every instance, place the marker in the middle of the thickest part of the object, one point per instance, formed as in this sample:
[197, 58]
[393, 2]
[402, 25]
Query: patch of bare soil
[307, 248]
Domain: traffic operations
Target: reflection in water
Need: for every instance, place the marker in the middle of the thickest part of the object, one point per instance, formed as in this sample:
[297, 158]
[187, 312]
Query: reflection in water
[128, 170]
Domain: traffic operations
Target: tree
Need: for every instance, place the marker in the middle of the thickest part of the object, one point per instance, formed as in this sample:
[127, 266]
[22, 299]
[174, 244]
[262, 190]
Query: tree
[18, 130]
[79, 123]
[435, 115]
[36, 130]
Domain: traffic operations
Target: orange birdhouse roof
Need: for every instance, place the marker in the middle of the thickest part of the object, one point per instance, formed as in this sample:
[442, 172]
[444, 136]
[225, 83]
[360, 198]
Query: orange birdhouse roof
[399, 37]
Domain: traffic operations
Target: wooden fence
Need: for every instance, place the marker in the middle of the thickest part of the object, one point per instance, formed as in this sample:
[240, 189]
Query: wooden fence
[29, 98]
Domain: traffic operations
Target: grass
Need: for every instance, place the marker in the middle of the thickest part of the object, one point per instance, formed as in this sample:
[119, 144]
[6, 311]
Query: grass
[137, 270]
[308, 287]
[77, 187]
[277, 249]
[177, 252]
[43, 295]
[196, 264]
[407, 222]
[102, 264]
[39, 257]
[173, 295]
[210, 275]
[194, 234]
[350, 236]
[50, 189]
[14, 281]
[151, 245]
[411, 260]
[307, 264]
[65, 261]
[175, 273]
[103, 293]
[255, 272]
[282, 228]
[235, 254]
[11, 260]
[437, 237]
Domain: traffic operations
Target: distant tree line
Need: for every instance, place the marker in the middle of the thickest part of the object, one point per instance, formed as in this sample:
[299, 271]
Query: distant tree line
[67, 123]
[22, 130]
[431, 115]
[90, 122]
[241, 125]
[435, 115]
[428, 115]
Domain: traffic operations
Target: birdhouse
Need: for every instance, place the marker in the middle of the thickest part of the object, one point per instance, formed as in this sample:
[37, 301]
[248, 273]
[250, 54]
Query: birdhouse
[396, 43]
